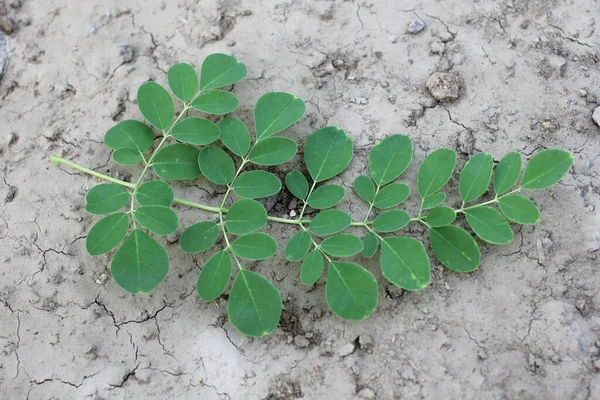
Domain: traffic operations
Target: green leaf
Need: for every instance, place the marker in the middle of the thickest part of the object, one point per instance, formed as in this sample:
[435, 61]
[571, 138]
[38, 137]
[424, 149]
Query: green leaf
[351, 291]
[129, 134]
[255, 305]
[455, 248]
[327, 152]
[214, 276]
[177, 162]
[107, 233]
[220, 70]
[275, 112]
[155, 193]
[273, 151]
[546, 168]
[298, 246]
[256, 184]
[391, 195]
[127, 156]
[476, 176]
[489, 225]
[440, 216]
[391, 221]
[297, 184]
[195, 130]
[156, 105]
[312, 268]
[255, 246]
[519, 209]
[157, 219]
[246, 216]
[404, 262]
[365, 188]
[140, 264]
[235, 136]
[434, 200]
[436, 170]
[106, 198]
[183, 81]
[343, 245]
[216, 165]
[390, 158]
[370, 244]
[216, 102]
[326, 196]
[329, 222]
[507, 173]
[199, 237]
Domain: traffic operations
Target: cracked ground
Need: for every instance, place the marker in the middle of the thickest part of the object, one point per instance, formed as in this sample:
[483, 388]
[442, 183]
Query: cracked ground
[525, 325]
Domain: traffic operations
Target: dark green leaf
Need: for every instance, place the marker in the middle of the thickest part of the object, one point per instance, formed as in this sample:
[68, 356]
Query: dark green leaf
[326, 196]
[246, 216]
[391, 221]
[140, 264]
[455, 248]
[329, 222]
[106, 198]
[365, 188]
[275, 112]
[273, 151]
[546, 168]
[199, 237]
[312, 268]
[256, 184]
[157, 219]
[298, 246]
[440, 216]
[183, 81]
[435, 171]
[489, 225]
[297, 184]
[235, 136]
[220, 70]
[127, 156]
[216, 165]
[177, 162]
[391, 195]
[390, 158]
[351, 291]
[156, 105]
[107, 233]
[476, 176]
[327, 152]
[129, 134]
[255, 246]
[370, 244]
[195, 130]
[217, 102]
[434, 200]
[343, 245]
[519, 209]
[214, 276]
[155, 193]
[507, 174]
[404, 262]
[255, 305]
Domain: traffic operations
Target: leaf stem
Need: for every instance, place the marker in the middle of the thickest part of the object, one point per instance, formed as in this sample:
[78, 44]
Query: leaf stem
[59, 160]
[494, 200]
[371, 204]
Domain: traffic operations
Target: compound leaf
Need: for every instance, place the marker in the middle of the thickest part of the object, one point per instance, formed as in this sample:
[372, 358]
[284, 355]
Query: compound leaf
[127, 156]
[157, 219]
[107, 233]
[196, 130]
[312, 268]
[177, 162]
[140, 264]
[156, 105]
[391, 195]
[199, 237]
[326, 196]
[129, 134]
[235, 135]
[390, 158]
[343, 245]
[256, 184]
[297, 184]
[255, 246]
[489, 225]
[298, 246]
[155, 193]
[216, 165]
[351, 291]
[404, 262]
[329, 222]
[391, 221]
[365, 188]
[106, 198]
[433, 201]
[216, 102]
[435, 171]
[214, 277]
[246, 216]
[440, 216]
[255, 305]
[455, 248]
[183, 81]
[220, 70]
[476, 176]
[507, 173]
[519, 209]
[275, 112]
[370, 245]
[546, 168]
[273, 151]
[327, 152]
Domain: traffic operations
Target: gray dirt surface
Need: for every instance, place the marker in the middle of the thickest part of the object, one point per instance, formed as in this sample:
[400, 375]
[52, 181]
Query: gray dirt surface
[525, 325]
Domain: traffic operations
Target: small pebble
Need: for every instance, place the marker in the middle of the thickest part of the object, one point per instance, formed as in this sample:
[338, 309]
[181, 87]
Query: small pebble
[102, 279]
[596, 116]
[393, 38]
[346, 350]
[126, 53]
[583, 93]
[416, 26]
[366, 393]
[13, 138]
[301, 342]
[597, 364]
[365, 341]
[292, 213]
[231, 43]
[338, 63]
[444, 86]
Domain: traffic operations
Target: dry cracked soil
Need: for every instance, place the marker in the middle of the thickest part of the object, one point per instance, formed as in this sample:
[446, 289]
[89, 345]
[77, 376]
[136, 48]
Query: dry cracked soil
[525, 325]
